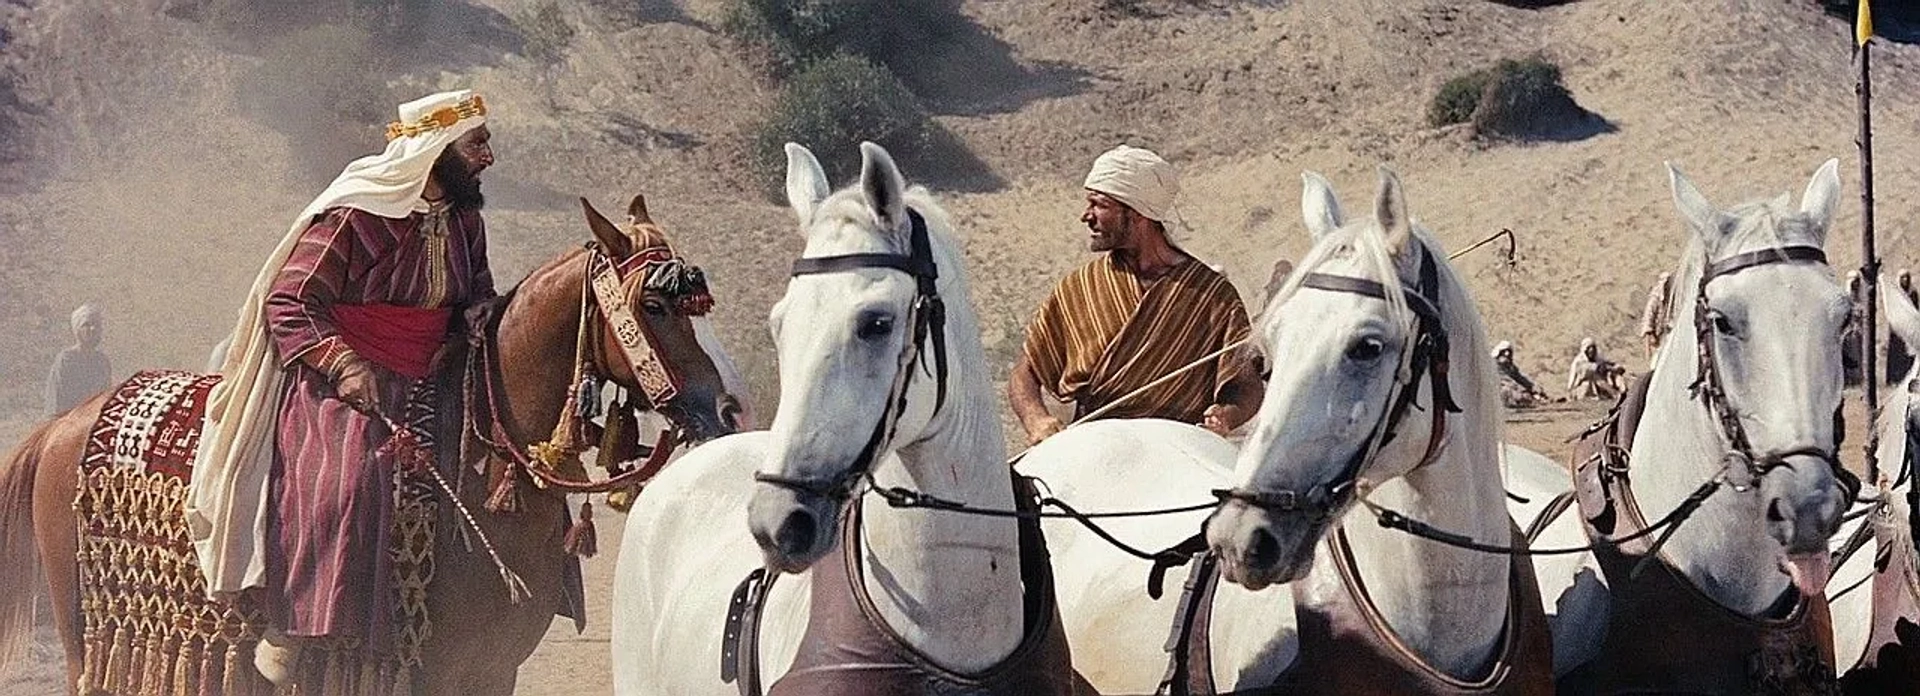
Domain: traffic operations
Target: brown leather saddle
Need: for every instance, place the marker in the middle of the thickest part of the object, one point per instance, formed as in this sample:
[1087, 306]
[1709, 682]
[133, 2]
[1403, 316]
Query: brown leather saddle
[849, 650]
[1349, 650]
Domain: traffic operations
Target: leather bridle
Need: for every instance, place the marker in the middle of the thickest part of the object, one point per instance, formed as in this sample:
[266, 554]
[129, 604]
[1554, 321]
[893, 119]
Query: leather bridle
[1424, 356]
[1741, 460]
[927, 317]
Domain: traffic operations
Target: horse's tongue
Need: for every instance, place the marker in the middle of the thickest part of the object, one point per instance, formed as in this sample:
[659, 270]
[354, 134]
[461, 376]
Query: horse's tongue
[1808, 571]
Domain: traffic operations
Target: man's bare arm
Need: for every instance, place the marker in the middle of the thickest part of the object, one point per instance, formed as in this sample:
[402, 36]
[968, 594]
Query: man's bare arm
[1239, 402]
[1023, 394]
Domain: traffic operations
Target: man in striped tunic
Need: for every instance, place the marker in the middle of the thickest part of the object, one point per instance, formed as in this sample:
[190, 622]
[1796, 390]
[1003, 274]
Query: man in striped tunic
[1135, 314]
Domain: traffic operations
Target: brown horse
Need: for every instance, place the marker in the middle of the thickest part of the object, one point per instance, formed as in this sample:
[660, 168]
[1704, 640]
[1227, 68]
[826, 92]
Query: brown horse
[478, 636]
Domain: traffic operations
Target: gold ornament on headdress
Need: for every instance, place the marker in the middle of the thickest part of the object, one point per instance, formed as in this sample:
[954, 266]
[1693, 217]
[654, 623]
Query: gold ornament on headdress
[443, 117]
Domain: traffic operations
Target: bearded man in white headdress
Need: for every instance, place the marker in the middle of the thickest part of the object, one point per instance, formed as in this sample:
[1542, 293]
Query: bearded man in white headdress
[1140, 311]
[350, 312]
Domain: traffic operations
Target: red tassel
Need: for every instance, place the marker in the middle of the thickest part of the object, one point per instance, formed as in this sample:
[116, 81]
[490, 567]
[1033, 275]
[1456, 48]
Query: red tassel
[581, 538]
[506, 494]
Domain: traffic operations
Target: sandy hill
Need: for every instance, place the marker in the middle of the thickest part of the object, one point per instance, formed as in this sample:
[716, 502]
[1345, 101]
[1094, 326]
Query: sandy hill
[160, 184]
[159, 179]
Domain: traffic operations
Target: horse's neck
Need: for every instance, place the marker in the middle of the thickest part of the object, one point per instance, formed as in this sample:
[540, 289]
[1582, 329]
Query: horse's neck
[1448, 604]
[1723, 547]
[949, 584]
[534, 347]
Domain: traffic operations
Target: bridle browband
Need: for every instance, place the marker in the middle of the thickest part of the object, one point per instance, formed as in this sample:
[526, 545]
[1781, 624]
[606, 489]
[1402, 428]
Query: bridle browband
[1425, 356]
[928, 317]
[1742, 461]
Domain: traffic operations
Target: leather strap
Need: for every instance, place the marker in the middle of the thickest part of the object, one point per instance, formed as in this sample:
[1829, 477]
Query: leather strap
[1740, 262]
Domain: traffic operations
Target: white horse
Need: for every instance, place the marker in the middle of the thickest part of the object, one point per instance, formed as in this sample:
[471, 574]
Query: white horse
[1880, 520]
[1774, 316]
[949, 586]
[1334, 438]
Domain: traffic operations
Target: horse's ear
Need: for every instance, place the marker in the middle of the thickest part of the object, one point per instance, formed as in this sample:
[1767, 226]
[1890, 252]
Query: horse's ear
[616, 242]
[1903, 319]
[1701, 217]
[1390, 209]
[1822, 196]
[1318, 206]
[806, 182]
[885, 189]
[637, 210]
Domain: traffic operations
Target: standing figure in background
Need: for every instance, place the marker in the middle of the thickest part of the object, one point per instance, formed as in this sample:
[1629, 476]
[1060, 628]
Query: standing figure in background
[1899, 354]
[81, 370]
[1657, 315]
[1592, 376]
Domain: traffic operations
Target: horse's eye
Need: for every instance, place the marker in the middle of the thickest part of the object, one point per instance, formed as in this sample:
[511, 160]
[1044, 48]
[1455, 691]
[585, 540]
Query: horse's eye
[1366, 350]
[1722, 324]
[654, 307]
[874, 327]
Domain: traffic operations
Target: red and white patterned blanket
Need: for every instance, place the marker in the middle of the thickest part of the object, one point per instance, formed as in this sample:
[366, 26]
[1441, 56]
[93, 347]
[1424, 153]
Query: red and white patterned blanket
[151, 423]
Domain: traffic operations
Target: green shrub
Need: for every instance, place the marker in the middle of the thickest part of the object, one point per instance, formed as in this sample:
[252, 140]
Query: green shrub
[1457, 98]
[1514, 98]
[1525, 97]
[788, 34]
[545, 31]
[832, 105]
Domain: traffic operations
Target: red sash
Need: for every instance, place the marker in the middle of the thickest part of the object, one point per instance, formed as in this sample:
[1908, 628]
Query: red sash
[402, 339]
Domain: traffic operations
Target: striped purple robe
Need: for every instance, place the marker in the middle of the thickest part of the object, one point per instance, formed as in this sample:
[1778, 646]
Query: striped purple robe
[328, 569]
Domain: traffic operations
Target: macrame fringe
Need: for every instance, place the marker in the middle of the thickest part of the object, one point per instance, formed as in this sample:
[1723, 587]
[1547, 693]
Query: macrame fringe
[582, 539]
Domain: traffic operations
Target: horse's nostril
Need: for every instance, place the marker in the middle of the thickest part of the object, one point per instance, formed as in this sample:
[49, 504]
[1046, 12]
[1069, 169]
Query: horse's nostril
[796, 534]
[1262, 550]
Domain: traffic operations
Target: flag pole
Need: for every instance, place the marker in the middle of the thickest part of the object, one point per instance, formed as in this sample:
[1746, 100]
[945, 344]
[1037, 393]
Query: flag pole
[1869, 254]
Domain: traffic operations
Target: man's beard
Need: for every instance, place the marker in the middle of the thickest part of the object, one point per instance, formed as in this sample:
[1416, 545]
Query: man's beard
[461, 188]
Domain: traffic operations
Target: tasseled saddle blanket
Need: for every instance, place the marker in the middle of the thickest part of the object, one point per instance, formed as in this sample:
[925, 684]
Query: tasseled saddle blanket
[148, 627]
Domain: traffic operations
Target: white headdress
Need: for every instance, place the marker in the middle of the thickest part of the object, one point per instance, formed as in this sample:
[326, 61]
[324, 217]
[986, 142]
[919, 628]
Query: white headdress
[1138, 178]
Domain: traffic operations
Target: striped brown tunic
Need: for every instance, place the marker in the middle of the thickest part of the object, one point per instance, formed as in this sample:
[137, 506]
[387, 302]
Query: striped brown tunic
[1105, 331]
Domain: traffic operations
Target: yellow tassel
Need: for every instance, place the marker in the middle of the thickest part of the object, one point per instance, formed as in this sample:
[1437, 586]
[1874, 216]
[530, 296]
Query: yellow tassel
[621, 499]
[205, 680]
[117, 660]
[620, 441]
[159, 662]
[183, 667]
[90, 676]
[230, 677]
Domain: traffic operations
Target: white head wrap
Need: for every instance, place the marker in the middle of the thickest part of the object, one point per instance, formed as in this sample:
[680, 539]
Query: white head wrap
[1502, 347]
[81, 315]
[227, 496]
[1138, 178]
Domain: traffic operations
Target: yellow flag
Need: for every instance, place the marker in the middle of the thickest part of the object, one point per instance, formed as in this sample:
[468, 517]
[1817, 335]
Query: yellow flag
[1863, 27]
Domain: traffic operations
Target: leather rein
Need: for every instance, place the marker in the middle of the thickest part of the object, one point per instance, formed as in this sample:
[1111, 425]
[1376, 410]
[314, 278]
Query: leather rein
[605, 285]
